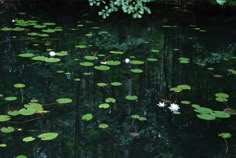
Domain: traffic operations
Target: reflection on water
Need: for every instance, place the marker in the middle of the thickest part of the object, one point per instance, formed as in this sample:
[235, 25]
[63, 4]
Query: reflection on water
[89, 88]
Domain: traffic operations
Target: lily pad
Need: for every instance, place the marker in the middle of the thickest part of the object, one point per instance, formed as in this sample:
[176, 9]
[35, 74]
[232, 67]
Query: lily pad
[4, 118]
[13, 113]
[64, 100]
[19, 85]
[113, 62]
[220, 114]
[88, 57]
[102, 68]
[27, 112]
[3, 145]
[86, 64]
[184, 60]
[225, 135]
[28, 139]
[102, 84]
[8, 129]
[10, 98]
[136, 71]
[131, 97]
[87, 117]
[110, 100]
[104, 106]
[136, 62]
[48, 136]
[116, 84]
[103, 125]
[204, 116]
[26, 55]
[21, 156]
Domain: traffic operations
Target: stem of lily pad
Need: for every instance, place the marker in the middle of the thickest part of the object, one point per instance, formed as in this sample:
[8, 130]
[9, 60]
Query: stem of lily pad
[22, 95]
[227, 147]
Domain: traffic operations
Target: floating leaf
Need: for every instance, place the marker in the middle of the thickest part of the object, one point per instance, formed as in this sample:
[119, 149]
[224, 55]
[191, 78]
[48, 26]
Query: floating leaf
[87, 117]
[152, 59]
[222, 95]
[13, 113]
[116, 83]
[21, 156]
[110, 100]
[3, 145]
[225, 135]
[136, 71]
[220, 114]
[101, 84]
[8, 129]
[81, 46]
[34, 106]
[102, 68]
[184, 60]
[26, 55]
[64, 100]
[117, 52]
[185, 102]
[11, 98]
[131, 97]
[52, 60]
[203, 110]
[28, 139]
[4, 118]
[136, 62]
[90, 57]
[103, 125]
[104, 106]
[27, 112]
[113, 62]
[87, 64]
[206, 116]
[48, 136]
[19, 85]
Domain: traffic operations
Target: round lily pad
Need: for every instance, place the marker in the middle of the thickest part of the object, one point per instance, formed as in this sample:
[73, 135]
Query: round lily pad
[110, 100]
[27, 111]
[136, 62]
[26, 55]
[131, 97]
[113, 62]
[225, 135]
[206, 117]
[136, 71]
[8, 129]
[116, 83]
[13, 113]
[64, 100]
[48, 136]
[21, 156]
[10, 98]
[220, 114]
[102, 68]
[88, 57]
[19, 85]
[104, 106]
[87, 117]
[4, 118]
[203, 110]
[86, 64]
[103, 125]
[28, 139]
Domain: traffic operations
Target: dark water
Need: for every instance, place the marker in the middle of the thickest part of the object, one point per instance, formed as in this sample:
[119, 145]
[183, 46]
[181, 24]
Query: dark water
[149, 52]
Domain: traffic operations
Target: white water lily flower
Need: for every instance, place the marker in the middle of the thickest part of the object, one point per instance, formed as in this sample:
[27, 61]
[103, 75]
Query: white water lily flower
[127, 60]
[161, 104]
[174, 107]
[52, 53]
[103, 62]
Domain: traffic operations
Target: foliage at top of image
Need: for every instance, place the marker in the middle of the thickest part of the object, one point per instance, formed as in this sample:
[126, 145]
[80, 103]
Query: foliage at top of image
[135, 8]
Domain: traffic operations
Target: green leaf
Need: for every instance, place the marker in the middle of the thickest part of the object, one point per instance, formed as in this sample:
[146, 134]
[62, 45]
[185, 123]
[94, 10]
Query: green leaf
[103, 125]
[13, 113]
[10, 98]
[102, 68]
[28, 139]
[48, 136]
[113, 62]
[204, 116]
[136, 62]
[19, 85]
[222, 95]
[220, 114]
[225, 135]
[203, 110]
[21, 156]
[86, 64]
[88, 57]
[27, 112]
[116, 84]
[186, 102]
[104, 106]
[64, 100]
[136, 71]
[26, 55]
[87, 117]
[110, 100]
[131, 97]
[101, 84]
[4, 118]
[8, 129]
[3, 145]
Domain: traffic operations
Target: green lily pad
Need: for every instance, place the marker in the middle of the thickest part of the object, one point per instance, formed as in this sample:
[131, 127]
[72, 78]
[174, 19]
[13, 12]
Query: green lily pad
[64, 100]
[152, 59]
[4, 118]
[113, 62]
[117, 52]
[19, 85]
[131, 97]
[220, 114]
[28, 139]
[3, 145]
[225, 135]
[116, 84]
[10, 98]
[103, 106]
[203, 110]
[39, 58]
[13, 113]
[136, 71]
[222, 95]
[88, 57]
[87, 117]
[204, 116]
[195, 106]
[86, 64]
[34, 106]
[48, 136]
[102, 84]
[21, 156]
[26, 55]
[8, 129]
[110, 100]
[103, 125]
[27, 112]
[81, 46]
[136, 62]
[186, 102]
[52, 60]
[102, 68]
[184, 60]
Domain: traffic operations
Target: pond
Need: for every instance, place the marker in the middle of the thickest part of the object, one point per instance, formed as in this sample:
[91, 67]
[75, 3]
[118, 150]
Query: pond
[80, 87]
